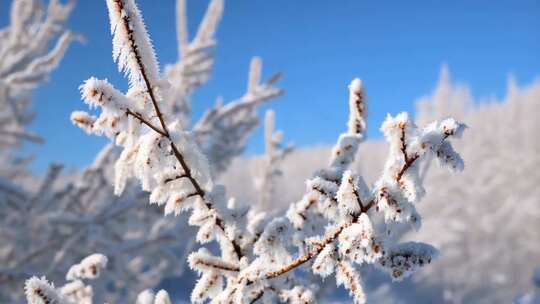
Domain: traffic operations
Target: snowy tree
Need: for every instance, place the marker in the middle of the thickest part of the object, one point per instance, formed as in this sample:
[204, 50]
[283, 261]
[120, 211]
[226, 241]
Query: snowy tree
[487, 224]
[31, 47]
[26, 60]
[331, 229]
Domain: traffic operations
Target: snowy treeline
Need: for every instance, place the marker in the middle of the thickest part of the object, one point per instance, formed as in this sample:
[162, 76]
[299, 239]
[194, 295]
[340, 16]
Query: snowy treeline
[339, 224]
[486, 223]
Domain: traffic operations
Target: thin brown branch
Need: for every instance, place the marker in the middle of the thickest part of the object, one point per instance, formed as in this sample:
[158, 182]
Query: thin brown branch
[308, 256]
[149, 88]
[170, 179]
[146, 122]
[216, 266]
[138, 57]
[355, 286]
[408, 160]
[257, 297]
[320, 246]
[311, 202]
[361, 108]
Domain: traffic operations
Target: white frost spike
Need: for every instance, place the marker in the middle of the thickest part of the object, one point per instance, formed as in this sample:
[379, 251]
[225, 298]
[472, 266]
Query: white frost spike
[404, 259]
[40, 291]
[347, 276]
[398, 131]
[451, 127]
[203, 261]
[391, 203]
[357, 108]
[449, 158]
[344, 151]
[83, 120]
[77, 292]
[357, 242]
[175, 203]
[132, 48]
[97, 92]
[193, 156]
[346, 194]
[325, 262]
[113, 119]
[89, 268]
[411, 185]
[207, 231]
[392, 127]
[324, 188]
[272, 239]
[297, 295]
[162, 297]
[123, 168]
[352, 192]
[208, 286]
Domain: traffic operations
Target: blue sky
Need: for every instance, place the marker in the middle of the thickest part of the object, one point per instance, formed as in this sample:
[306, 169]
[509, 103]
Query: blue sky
[396, 47]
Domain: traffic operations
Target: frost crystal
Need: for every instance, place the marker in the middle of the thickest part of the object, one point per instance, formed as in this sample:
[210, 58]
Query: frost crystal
[40, 291]
[89, 268]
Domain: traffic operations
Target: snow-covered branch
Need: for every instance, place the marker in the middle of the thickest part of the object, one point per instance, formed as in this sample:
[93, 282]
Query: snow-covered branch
[258, 256]
[41, 291]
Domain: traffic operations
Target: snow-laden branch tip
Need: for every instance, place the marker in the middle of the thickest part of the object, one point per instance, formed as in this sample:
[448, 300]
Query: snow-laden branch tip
[75, 291]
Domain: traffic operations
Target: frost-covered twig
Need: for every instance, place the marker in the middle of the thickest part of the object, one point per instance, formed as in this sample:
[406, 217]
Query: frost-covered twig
[41, 291]
[76, 291]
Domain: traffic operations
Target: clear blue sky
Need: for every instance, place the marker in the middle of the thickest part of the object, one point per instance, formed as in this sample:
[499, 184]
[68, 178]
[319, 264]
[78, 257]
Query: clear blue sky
[396, 47]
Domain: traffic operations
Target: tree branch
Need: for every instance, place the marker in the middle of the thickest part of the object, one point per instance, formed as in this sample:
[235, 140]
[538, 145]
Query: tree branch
[149, 89]
[144, 121]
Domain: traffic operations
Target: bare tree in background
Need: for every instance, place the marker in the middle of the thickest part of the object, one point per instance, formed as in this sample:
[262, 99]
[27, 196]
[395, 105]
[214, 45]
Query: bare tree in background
[26, 60]
[31, 47]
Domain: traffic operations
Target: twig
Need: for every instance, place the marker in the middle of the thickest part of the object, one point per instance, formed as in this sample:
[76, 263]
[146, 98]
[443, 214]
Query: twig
[187, 171]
